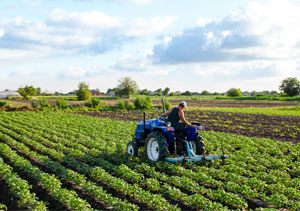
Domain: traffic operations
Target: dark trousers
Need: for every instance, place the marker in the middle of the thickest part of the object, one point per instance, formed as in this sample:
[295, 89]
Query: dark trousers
[179, 126]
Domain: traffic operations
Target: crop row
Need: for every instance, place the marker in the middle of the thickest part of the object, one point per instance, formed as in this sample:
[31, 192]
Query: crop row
[168, 189]
[100, 175]
[79, 142]
[230, 199]
[276, 164]
[68, 198]
[212, 194]
[20, 189]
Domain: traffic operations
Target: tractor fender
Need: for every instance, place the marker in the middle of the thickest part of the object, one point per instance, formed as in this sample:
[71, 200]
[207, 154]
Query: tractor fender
[167, 131]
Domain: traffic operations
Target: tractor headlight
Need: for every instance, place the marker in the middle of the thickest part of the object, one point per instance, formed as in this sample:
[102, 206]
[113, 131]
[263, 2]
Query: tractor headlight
[168, 124]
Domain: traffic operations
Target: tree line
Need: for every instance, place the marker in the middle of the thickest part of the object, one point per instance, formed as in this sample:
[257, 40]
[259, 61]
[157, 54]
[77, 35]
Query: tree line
[127, 86]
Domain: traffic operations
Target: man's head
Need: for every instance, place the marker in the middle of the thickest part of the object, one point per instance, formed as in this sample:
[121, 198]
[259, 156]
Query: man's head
[182, 104]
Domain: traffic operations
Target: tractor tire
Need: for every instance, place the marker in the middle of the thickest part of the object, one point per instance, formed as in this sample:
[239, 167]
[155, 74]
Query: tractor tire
[132, 149]
[156, 146]
[198, 145]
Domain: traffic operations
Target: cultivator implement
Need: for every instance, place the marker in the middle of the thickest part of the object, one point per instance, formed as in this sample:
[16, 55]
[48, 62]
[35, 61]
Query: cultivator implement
[191, 157]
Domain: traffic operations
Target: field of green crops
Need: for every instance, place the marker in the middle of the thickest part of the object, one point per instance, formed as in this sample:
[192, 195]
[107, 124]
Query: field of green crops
[59, 161]
[279, 111]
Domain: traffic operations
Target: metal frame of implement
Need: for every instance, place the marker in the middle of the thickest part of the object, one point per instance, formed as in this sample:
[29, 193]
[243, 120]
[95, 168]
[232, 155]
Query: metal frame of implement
[192, 157]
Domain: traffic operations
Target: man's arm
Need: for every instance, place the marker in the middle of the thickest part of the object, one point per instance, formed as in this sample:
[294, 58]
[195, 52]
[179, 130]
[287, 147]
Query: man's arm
[182, 118]
[168, 112]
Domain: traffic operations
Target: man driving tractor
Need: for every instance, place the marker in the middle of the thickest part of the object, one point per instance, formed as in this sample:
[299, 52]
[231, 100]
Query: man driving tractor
[175, 114]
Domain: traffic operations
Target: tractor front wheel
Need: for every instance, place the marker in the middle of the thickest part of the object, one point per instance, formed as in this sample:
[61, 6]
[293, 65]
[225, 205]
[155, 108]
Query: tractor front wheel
[156, 146]
[132, 149]
[198, 145]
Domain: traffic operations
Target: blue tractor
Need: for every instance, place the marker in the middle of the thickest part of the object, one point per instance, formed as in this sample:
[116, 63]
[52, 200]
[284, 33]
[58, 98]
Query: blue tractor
[162, 142]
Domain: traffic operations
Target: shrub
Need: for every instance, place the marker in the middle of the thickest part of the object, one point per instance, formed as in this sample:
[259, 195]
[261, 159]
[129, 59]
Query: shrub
[167, 105]
[83, 92]
[138, 102]
[143, 103]
[121, 105]
[34, 104]
[128, 105]
[233, 92]
[95, 102]
[3, 104]
[44, 103]
[61, 103]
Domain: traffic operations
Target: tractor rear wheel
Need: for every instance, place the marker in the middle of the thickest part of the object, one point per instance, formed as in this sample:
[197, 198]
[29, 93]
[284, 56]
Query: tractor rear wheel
[198, 145]
[156, 146]
[132, 148]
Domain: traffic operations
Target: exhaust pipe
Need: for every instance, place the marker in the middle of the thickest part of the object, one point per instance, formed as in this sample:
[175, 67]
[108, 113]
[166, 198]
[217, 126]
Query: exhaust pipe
[163, 104]
[144, 120]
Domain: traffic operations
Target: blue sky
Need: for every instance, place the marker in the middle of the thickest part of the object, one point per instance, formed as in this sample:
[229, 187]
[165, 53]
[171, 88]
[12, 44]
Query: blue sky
[185, 45]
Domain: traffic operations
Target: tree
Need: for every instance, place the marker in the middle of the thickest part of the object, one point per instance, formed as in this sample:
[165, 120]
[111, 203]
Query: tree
[83, 92]
[144, 92]
[205, 92]
[127, 87]
[187, 93]
[158, 92]
[27, 92]
[166, 91]
[233, 92]
[290, 86]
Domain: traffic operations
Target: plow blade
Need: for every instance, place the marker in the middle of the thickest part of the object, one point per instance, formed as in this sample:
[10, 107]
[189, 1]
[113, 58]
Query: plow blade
[196, 158]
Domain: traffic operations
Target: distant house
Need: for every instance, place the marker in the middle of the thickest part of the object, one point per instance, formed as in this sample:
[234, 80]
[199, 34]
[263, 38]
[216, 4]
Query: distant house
[96, 92]
[5, 94]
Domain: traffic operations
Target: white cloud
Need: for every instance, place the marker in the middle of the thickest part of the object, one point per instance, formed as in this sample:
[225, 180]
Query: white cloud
[67, 33]
[82, 72]
[21, 71]
[203, 21]
[262, 31]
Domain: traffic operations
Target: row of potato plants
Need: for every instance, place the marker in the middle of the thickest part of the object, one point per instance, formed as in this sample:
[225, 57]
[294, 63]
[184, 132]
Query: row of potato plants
[174, 193]
[20, 189]
[285, 177]
[154, 201]
[227, 198]
[217, 166]
[49, 182]
[66, 174]
[224, 197]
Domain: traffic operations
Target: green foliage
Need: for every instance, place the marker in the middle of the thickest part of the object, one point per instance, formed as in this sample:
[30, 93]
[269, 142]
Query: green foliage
[166, 91]
[187, 93]
[125, 105]
[144, 92]
[290, 86]
[127, 87]
[158, 92]
[78, 150]
[27, 92]
[233, 92]
[61, 103]
[129, 105]
[3, 104]
[121, 105]
[44, 103]
[34, 104]
[143, 103]
[205, 92]
[83, 93]
[167, 104]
